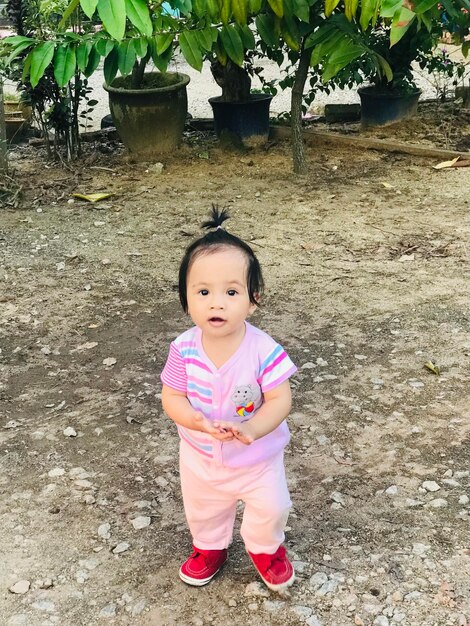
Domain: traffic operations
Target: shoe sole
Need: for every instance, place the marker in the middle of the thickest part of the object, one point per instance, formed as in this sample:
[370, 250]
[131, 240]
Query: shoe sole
[198, 582]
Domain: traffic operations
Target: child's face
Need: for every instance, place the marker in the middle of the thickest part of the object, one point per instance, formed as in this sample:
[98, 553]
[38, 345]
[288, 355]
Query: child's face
[218, 300]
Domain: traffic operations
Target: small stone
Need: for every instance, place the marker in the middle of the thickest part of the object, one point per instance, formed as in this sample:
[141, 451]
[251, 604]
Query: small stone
[83, 484]
[451, 482]
[412, 596]
[397, 596]
[328, 587]
[103, 531]
[89, 499]
[44, 605]
[318, 579]
[392, 490]
[308, 366]
[110, 361]
[463, 499]
[155, 168]
[141, 522]
[430, 485]
[232, 602]
[302, 611]
[438, 503]
[338, 497]
[377, 381]
[273, 606]
[20, 587]
[108, 611]
[20, 619]
[252, 606]
[417, 384]
[197, 621]
[420, 548]
[313, 621]
[137, 608]
[57, 471]
[121, 547]
[70, 432]
[321, 362]
[256, 589]
[381, 620]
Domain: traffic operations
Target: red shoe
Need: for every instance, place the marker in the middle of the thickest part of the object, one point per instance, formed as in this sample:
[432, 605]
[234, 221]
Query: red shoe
[202, 566]
[275, 569]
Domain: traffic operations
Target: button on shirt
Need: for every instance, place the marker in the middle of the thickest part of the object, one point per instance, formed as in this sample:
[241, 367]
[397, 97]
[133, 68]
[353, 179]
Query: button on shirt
[234, 392]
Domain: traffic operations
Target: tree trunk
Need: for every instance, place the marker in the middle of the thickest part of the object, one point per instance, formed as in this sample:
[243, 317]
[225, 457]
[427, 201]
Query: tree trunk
[298, 150]
[3, 134]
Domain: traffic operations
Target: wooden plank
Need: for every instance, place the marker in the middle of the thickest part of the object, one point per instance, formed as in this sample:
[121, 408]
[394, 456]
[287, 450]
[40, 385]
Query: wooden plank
[315, 137]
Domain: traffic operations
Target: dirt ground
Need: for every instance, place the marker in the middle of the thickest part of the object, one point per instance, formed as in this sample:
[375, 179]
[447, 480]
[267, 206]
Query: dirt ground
[366, 264]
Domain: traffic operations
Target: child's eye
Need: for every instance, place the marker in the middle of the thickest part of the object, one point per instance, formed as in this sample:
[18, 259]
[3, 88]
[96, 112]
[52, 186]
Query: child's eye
[232, 292]
[203, 292]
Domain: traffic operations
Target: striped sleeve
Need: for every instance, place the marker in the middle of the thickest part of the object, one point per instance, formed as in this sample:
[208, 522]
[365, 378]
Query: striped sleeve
[174, 372]
[275, 369]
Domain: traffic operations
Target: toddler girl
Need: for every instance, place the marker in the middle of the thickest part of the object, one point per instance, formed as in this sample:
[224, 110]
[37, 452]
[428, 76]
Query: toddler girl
[226, 385]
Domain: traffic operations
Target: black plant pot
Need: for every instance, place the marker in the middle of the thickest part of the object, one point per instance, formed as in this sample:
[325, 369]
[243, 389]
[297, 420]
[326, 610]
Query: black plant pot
[380, 107]
[248, 120]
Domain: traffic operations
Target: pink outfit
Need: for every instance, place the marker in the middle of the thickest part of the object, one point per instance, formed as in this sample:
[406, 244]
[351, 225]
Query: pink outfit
[214, 474]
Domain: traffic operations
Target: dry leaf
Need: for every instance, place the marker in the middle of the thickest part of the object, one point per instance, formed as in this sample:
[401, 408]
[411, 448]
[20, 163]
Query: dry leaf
[445, 164]
[92, 197]
[432, 367]
[387, 185]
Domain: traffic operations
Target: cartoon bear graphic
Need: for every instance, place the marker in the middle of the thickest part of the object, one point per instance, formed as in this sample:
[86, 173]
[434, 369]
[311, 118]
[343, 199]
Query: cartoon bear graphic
[244, 398]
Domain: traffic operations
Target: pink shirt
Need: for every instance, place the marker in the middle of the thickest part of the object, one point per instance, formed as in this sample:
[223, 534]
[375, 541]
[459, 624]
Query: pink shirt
[232, 393]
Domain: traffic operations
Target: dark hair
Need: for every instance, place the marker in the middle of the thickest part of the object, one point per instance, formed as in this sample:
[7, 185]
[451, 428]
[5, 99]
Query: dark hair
[213, 241]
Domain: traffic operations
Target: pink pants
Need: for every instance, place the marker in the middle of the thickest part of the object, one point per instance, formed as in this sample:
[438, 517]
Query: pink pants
[211, 493]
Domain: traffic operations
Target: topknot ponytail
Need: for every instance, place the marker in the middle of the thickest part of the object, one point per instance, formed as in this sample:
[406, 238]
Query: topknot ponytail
[214, 240]
[217, 218]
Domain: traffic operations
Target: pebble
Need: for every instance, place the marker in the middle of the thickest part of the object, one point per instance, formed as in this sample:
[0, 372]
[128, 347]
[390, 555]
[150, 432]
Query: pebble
[313, 621]
[338, 497]
[328, 587]
[44, 605]
[197, 621]
[252, 606]
[451, 482]
[70, 432]
[272, 605]
[137, 608]
[321, 362]
[121, 547]
[417, 384]
[141, 522]
[57, 471]
[412, 596]
[302, 611]
[20, 587]
[108, 611]
[463, 499]
[256, 589]
[438, 503]
[392, 490]
[20, 619]
[381, 620]
[232, 602]
[318, 579]
[103, 531]
[420, 548]
[397, 596]
[430, 485]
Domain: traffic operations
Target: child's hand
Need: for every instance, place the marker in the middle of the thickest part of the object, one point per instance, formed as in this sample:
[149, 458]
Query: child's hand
[212, 428]
[242, 432]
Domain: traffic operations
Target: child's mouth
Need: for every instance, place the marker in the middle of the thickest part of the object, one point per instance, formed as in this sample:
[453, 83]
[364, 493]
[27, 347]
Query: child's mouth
[216, 321]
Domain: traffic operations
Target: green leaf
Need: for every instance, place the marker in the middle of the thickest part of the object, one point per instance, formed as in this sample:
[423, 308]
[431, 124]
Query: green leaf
[385, 68]
[41, 57]
[67, 13]
[26, 67]
[83, 54]
[400, 24]
[232, 43]
[111, 66]
[18, 49]
[16, 39]
[104, 46]
[140, 47]
[138, 13]
[161, 61]
[421, 6]
[65, 63]
[113, 16]
[265, 26]
[204, 39]
[94, 59]
[163, 42]
[390, 7]
[301, 9]
[369, 12]
[350, 8]
[247, 37]
[191, 49]
[89, 7]
[330, 6]
[126, 57]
